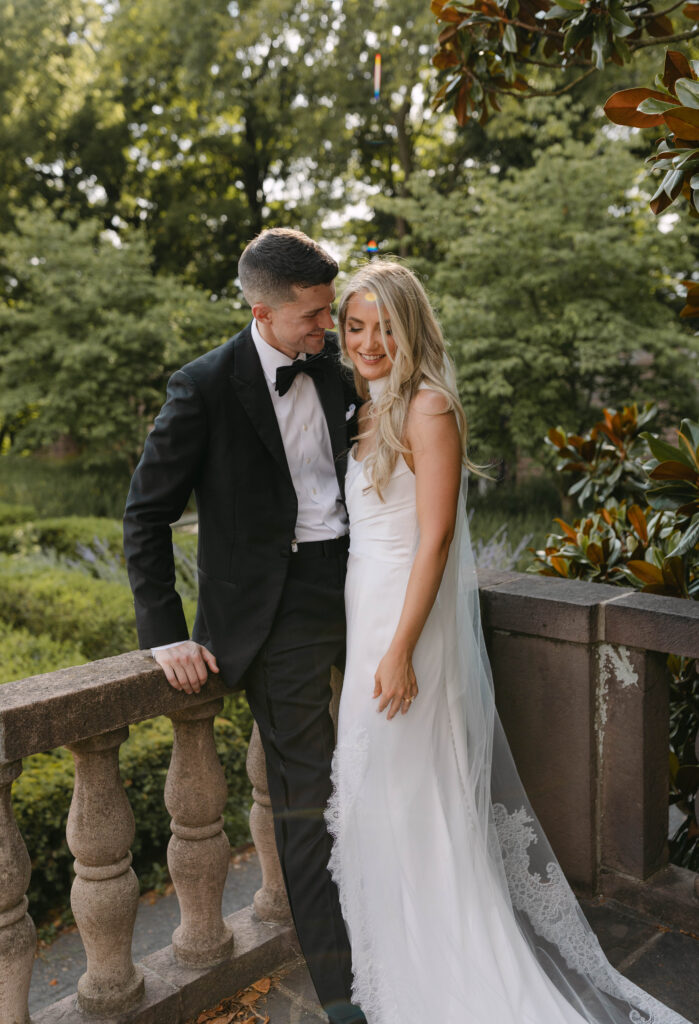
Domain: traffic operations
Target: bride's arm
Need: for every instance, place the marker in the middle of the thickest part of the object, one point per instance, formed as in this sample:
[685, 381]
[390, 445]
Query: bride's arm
[433, 438]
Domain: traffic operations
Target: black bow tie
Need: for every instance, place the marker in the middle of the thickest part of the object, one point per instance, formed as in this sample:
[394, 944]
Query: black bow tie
[286, 375]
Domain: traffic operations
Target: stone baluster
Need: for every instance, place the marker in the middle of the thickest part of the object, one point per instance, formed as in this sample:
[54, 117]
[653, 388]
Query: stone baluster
[17, 932]
[199, 852]
[270, 902]
[104, 896]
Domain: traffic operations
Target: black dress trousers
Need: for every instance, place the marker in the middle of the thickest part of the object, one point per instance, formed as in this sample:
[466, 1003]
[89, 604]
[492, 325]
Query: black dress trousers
[288, 688]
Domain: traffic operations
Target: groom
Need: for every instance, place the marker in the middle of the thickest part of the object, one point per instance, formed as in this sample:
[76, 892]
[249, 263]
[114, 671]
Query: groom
[259, 429]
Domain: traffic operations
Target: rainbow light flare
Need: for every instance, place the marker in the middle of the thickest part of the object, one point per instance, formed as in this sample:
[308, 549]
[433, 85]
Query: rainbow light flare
[377, 76]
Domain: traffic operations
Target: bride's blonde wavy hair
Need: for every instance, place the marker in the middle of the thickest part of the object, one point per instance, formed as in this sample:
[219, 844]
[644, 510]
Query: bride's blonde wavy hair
[421, 358]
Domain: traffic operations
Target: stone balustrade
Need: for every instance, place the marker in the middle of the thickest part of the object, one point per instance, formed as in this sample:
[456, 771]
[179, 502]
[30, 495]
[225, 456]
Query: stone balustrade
[582, 690]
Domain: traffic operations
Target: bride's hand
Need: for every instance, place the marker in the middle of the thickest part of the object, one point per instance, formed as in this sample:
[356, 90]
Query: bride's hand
[395, 683]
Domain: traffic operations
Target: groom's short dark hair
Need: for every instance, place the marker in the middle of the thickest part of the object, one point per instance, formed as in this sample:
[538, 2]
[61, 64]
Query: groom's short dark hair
[279, 260]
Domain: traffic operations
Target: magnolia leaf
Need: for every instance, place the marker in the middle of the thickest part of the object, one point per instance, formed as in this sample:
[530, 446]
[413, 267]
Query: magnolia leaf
[653, 106]
[659, 26]
[568, 530]
[676, 66]
[664, 451]
[638, 521]
[509, 39]
[673, 471]
[622, 108]
[646, 572]
[687, 92]
[688, 436]
[689, 540]
[673, 573]
[684, 122]
[600, 44]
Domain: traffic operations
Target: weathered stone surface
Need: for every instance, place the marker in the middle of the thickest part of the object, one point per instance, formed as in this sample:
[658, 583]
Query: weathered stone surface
[543, 692]
[632, 735]
[58, 708]
[17, 932]
[548, 607]
[656, 623]
[668, 897]
[259, 949]
[271, 902]
[198, 853]
[160, 1005]
[667, 969]
[104, 896]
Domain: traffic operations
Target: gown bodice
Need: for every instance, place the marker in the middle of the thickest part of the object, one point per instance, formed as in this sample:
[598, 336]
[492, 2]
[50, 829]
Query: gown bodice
[383, 530]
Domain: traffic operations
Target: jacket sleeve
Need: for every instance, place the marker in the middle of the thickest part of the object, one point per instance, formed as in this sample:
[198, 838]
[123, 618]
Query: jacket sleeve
[160, 488]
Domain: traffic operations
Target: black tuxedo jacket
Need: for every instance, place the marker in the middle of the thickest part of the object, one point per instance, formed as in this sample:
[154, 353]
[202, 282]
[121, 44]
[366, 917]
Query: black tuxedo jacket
[217, 434]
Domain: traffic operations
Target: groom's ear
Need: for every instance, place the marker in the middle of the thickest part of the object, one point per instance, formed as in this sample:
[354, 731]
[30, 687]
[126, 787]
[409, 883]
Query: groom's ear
[262, 312]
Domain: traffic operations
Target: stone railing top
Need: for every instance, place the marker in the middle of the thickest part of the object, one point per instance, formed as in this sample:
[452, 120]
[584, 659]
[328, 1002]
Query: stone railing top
[581, 612]
[51, 710]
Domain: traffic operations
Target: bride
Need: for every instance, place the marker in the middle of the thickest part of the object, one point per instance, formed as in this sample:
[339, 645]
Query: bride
[456, 907]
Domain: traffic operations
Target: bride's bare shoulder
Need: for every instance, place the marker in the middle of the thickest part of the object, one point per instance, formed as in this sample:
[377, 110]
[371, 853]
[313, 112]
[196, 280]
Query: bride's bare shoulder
[428, 401]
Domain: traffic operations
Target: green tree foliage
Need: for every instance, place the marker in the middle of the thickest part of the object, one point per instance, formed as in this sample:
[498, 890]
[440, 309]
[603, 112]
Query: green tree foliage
[488, 48]
[88, 337]
[554, 296]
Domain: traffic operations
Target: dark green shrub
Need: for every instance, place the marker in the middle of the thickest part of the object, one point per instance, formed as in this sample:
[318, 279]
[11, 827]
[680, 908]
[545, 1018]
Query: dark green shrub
[62, 487]
[60, 535]
[15, 513]
[27, 654]
[41, 799]
[70, 606]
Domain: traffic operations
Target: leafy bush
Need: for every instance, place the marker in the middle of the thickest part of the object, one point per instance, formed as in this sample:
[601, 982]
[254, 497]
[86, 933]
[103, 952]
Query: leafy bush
[646, 535]
[62, 487]
[28, 654]
[63, 535]
[70, 607]
[14, 513]
[41, 800]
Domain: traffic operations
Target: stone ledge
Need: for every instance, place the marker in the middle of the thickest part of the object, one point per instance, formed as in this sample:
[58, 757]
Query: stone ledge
[543, 606]
[670, 896]
[51, 710]
[669, 624]
[175, 993]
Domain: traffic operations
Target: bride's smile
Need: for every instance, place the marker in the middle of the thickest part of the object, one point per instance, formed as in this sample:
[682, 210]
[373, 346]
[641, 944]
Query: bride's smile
[370, 348]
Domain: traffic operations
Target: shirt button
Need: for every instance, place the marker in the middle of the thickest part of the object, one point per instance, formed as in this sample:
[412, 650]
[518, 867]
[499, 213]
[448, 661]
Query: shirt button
[308, 460]
[315, 491]
[305, 426]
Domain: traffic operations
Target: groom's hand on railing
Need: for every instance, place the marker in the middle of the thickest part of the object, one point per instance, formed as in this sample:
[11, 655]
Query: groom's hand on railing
[186, 665]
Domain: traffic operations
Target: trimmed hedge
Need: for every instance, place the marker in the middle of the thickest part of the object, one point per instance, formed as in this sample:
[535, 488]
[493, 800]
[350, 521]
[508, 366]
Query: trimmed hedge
[41, 800]
[60, 535]
[15, 513]
[27, 654]
[70, 606]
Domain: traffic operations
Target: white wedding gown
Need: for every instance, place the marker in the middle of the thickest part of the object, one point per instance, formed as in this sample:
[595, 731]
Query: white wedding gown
[448, 918]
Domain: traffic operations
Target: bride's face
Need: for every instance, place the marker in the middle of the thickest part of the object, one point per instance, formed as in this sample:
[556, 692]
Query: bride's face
[365, 345]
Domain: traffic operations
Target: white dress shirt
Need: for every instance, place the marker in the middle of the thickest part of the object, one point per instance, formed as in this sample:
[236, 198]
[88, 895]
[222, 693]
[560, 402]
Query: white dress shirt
[321, 512]
[302, 424]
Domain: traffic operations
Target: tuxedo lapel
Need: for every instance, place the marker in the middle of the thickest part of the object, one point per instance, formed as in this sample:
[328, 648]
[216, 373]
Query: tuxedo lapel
[250, 385]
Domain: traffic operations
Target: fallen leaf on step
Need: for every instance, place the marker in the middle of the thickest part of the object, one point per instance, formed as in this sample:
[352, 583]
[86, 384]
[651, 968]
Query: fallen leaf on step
[263, 985]
[248, 998]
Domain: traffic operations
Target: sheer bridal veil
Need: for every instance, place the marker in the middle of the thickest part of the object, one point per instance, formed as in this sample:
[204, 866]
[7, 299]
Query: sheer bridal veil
[523, 868]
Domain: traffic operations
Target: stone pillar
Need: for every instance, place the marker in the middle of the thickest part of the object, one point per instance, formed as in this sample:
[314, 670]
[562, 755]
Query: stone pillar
[17, 932]
[104, 896]
[631, 724]
[271, 902]
[199, 852]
